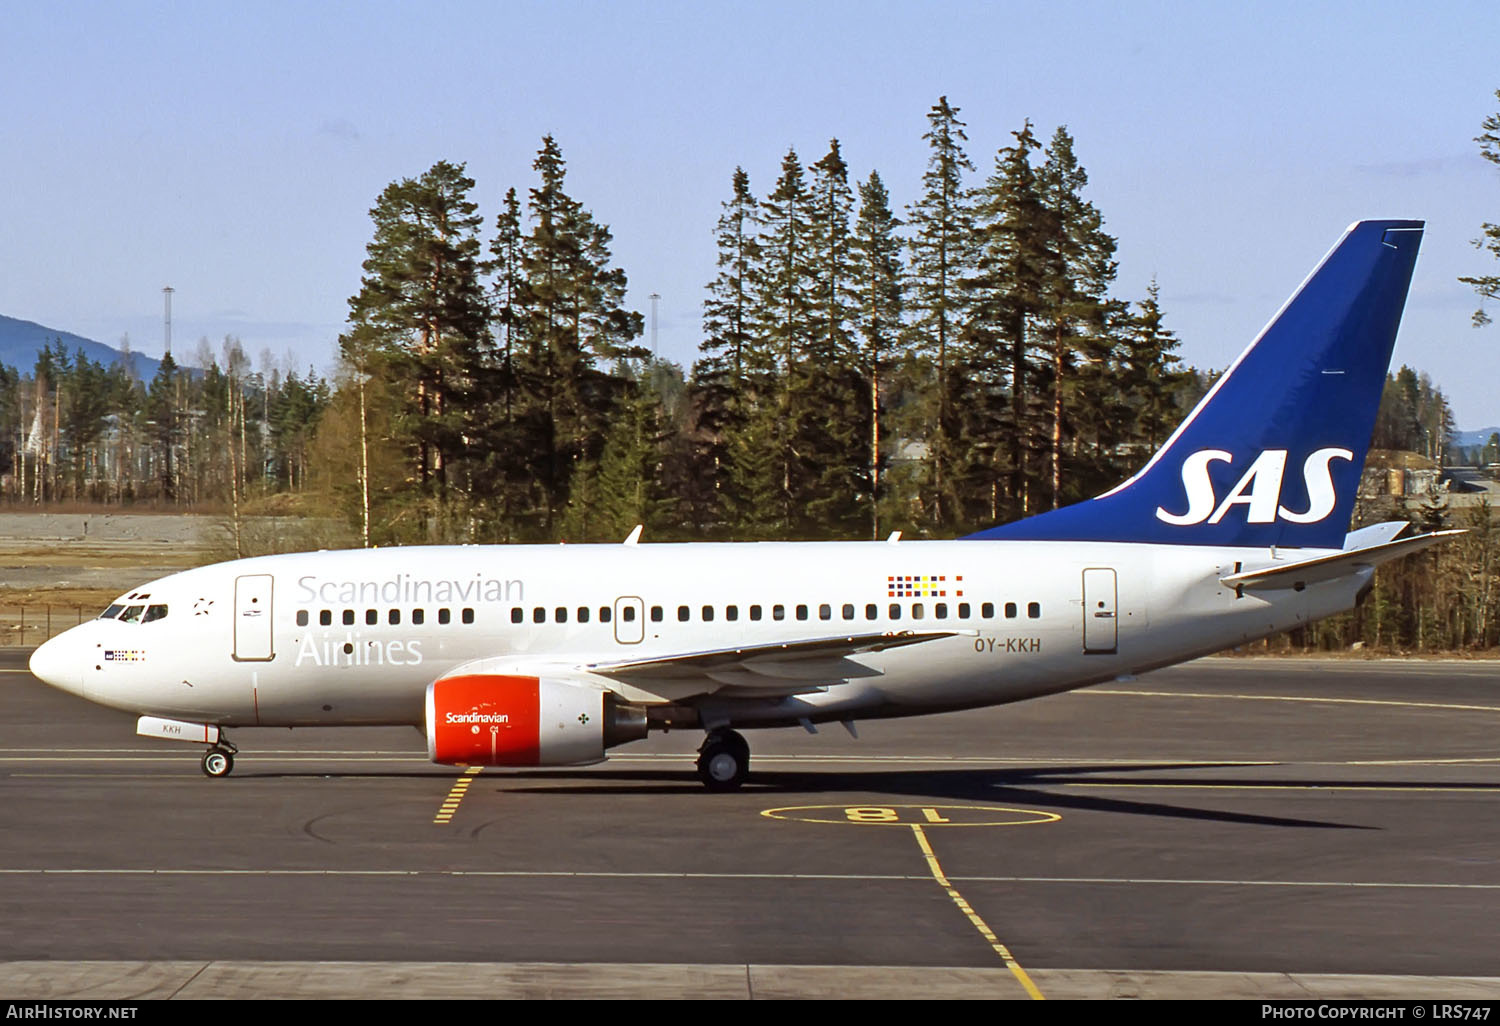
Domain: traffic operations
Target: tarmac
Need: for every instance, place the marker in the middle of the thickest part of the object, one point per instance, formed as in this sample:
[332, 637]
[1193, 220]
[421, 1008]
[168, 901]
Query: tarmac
[1231, 828]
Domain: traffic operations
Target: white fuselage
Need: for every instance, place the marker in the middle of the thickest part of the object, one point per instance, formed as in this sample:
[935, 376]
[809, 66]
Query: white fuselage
[355, 637]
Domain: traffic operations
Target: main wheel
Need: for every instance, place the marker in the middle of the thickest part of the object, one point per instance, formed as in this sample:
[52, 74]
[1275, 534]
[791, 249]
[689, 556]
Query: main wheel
[217, 763]
[723, 761]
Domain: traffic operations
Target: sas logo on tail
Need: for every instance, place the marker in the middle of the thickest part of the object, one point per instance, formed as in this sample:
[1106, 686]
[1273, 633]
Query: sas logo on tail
[1259, 488]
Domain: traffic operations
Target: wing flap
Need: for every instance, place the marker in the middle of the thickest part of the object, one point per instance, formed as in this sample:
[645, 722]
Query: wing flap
[786, 668]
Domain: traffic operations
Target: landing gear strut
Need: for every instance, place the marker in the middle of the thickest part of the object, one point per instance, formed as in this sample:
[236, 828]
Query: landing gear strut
[724, 760]
[218, 761]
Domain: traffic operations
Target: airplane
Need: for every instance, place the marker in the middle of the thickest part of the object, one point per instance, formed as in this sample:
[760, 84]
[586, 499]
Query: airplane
[550, 655]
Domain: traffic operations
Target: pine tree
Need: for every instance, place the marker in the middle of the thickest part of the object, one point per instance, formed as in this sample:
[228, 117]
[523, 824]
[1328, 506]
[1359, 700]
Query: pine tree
[878, 296]
[942, 260]
[730, 358]
[162, 414]
[508, 468]
[575, 318]
[830, 424]
[1149, 375]
[421, 311]
[784, 319]
[1077, 325]
[622, 487]
[1017, 266]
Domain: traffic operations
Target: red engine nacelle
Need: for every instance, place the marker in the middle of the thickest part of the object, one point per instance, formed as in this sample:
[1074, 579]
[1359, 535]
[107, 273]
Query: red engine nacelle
[501, 720]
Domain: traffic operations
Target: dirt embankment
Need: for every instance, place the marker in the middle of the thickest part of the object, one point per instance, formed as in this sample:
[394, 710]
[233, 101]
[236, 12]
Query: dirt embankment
[57, 568]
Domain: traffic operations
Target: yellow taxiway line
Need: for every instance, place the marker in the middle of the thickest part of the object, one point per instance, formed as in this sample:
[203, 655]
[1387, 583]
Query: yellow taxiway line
[456, 795]
[979, 924]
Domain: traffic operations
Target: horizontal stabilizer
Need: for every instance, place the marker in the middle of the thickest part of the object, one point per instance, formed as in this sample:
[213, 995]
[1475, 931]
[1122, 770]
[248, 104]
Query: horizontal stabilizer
[1328, 568]
[1375, 534]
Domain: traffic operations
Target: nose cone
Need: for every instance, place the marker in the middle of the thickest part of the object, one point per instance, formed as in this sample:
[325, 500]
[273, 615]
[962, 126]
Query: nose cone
[57, 663]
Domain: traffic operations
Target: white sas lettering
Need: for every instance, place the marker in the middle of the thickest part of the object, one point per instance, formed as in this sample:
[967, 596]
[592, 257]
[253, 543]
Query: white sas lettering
[1259, 488]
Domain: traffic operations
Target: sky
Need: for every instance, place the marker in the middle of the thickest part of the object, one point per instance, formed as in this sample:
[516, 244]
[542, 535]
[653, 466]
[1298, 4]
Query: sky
[233, 150]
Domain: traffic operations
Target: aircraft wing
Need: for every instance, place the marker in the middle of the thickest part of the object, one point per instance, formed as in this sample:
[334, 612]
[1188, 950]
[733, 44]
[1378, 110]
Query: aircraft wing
[1326, 568]
[784, 668]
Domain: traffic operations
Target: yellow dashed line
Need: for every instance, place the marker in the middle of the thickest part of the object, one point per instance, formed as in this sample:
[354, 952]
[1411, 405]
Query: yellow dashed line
[456, 794]
[979, 924]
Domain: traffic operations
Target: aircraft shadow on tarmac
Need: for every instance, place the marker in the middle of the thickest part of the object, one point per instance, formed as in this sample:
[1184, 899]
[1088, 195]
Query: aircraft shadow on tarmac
[989, 787]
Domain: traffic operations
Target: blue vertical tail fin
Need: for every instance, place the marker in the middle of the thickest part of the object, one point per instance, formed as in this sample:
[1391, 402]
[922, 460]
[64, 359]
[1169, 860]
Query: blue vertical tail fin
[1273, 454]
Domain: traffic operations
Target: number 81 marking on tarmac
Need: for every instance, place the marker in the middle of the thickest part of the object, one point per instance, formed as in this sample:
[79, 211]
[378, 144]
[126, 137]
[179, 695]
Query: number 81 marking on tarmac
[913, 815]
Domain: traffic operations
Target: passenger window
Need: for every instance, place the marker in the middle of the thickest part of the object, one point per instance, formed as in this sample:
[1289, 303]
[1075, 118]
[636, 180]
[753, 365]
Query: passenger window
[778, 612]
[731, 612]
[657, 613]
[155, 613]
[895, 610]
[538, 615]
[604, 614]
[348, 617]
[131, 614]
[1010, 610]
[848, 611]
[987, 610]
[916, 610]
[801, 612]
[325, 617]
[372, 617]
[628, 614]
[395, 616]
[583, 614]
[517, 615]
[468, 616]
[963, 610]
[755, 612]
[560, 614]
[444, 616]
[682, 613]
[825, 611]
[940, 611]
[301, 616]
[1034, 610]
[418, 615]
[114, 611]
[872, 611]
[708, 613]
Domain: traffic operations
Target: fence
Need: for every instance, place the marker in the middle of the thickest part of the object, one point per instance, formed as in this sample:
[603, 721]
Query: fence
[29, 626]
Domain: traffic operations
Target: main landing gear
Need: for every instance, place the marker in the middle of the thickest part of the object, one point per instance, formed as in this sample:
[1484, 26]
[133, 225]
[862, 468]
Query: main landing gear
[724, 760]
[218, 761]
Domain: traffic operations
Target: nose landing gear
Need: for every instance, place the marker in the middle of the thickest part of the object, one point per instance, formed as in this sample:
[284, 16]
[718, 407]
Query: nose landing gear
[218, 761]
[724, 760]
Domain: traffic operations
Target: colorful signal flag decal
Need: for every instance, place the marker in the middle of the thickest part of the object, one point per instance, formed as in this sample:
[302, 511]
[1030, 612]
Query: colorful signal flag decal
[125, 655]
[918, 586]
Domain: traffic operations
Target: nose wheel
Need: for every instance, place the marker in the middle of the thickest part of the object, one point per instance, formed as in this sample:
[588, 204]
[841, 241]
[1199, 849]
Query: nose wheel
[218, 761]
[724, 760]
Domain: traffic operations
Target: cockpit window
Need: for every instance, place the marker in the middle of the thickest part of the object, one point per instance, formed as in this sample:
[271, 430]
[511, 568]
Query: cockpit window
[154, 613]
[132, 615]
[112, 612]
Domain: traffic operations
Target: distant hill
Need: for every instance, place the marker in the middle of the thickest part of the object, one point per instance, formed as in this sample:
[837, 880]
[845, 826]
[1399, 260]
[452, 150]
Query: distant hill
[1464, 439]
[20, 341]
